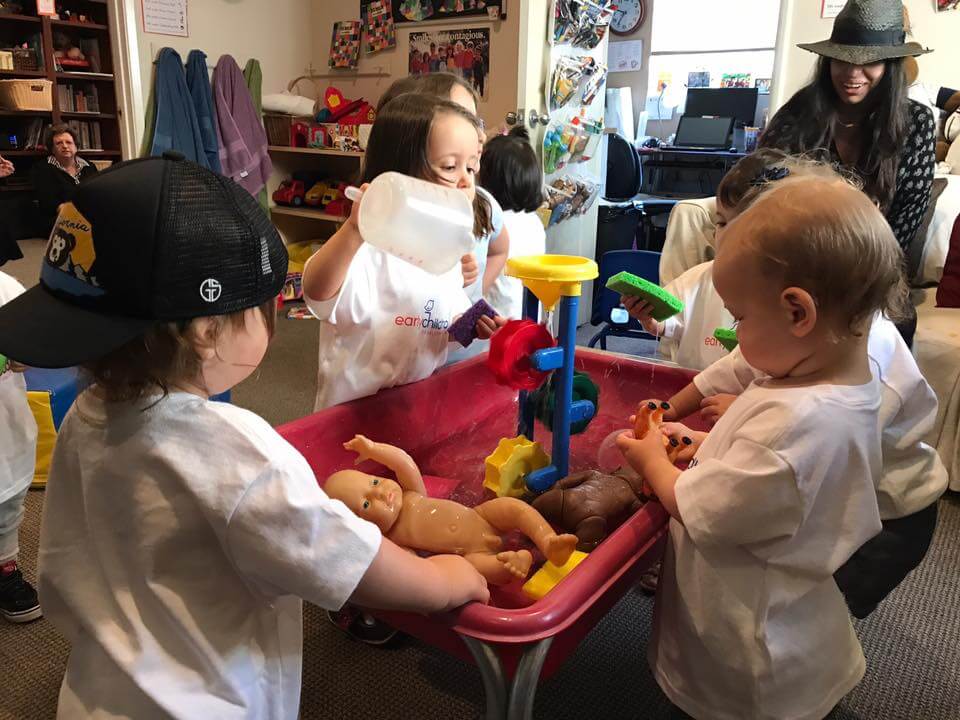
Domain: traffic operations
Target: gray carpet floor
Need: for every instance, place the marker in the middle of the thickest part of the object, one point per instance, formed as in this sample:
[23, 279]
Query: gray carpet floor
[912, 642]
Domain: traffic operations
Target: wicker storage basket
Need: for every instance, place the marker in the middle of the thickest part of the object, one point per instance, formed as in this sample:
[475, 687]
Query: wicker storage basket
[24, 59]
[26, 94]
[278, 127]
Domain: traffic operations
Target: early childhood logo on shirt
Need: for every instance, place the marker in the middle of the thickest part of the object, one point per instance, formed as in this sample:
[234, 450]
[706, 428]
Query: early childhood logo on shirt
[426, 322]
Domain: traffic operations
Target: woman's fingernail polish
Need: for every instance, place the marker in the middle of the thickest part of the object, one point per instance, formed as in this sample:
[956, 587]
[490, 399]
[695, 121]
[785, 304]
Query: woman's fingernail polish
[673, 442]
[665, 405]
[652, 405]
[687, 441]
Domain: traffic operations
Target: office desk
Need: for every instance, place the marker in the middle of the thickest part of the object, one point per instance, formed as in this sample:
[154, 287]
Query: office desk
[681, 174]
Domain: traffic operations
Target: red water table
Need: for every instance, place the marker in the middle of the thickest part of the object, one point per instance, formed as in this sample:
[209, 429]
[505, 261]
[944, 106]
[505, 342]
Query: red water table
[449, 423]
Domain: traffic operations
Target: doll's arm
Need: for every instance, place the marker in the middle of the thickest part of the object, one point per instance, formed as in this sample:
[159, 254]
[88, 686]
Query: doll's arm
[403, 466]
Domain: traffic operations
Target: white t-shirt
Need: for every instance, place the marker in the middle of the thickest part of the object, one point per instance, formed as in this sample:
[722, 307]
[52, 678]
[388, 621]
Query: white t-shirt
[387, 326]
[527, 237]
[749, 622]
[688, 337]
[913, 475]
[18, 429]
[176, 544]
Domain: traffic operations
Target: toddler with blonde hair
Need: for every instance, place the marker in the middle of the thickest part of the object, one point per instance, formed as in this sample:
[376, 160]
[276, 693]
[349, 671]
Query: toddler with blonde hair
[749, 622]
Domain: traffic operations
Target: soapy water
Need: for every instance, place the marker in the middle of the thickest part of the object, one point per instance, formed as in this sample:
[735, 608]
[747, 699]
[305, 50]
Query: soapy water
[623, 384]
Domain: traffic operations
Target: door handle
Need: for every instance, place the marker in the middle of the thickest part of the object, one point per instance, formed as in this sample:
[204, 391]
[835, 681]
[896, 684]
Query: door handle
[536, 117]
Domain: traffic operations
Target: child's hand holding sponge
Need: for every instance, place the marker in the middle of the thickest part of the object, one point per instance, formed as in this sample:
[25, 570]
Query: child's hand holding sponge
[649, 303]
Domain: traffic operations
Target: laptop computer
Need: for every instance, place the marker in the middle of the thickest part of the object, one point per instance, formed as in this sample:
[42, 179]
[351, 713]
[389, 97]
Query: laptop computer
[703, 133]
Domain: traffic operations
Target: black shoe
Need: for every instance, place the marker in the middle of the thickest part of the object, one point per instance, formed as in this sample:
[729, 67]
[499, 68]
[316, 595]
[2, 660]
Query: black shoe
[18, 599]
[361, 627]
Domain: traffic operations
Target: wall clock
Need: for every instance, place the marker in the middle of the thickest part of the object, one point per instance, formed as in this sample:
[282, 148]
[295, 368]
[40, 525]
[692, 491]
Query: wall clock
[629, 16]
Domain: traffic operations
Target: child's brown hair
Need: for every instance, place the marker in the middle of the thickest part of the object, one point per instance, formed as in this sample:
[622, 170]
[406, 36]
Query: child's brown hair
[399, 140]
[164, 355]
[755, 173]
[440, 84]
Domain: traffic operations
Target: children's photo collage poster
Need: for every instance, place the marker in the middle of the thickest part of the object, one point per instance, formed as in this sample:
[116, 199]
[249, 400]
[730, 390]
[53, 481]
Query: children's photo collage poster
[462, 52]
[420, 10]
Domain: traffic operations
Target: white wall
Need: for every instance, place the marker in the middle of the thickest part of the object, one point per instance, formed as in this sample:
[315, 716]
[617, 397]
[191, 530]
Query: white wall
[504, 54]
[636, 81]
[276, 32]
[803, 24]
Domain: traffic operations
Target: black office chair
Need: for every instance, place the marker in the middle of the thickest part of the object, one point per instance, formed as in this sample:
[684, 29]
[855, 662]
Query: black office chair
[609, 311]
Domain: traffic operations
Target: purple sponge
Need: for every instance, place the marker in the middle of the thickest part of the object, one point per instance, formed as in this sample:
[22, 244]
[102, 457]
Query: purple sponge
[464, 328]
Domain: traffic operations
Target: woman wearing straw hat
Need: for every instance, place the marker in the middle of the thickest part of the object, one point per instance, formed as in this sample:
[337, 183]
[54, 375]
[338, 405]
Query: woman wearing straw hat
[856, 113]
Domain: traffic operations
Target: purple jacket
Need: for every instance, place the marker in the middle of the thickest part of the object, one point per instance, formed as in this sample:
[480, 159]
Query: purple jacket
[243, 141]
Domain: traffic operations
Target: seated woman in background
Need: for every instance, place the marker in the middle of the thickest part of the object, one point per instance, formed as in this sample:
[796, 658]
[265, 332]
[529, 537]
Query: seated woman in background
[55, 180]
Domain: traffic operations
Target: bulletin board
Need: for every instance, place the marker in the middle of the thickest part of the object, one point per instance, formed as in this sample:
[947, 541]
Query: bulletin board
[407, 11]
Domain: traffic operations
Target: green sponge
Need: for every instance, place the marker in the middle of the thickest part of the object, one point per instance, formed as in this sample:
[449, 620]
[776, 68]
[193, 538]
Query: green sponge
[664, 304]
[727, 337]
[3, 364]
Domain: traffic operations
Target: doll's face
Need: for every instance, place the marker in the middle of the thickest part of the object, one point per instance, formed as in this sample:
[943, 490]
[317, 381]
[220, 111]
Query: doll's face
[375, 499]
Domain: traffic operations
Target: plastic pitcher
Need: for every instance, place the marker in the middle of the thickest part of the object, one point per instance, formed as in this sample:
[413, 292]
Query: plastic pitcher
[428, 225]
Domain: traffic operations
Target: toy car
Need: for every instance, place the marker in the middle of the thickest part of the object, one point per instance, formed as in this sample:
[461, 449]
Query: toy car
[335, 202]
[290, 192]
[316, 195]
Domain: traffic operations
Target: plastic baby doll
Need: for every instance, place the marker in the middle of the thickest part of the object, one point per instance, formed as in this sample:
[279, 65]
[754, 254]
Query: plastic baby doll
[408, 517]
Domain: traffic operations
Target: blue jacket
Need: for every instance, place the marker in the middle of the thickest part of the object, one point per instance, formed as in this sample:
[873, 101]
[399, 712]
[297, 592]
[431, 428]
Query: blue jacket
[199, 84]
[176, 126]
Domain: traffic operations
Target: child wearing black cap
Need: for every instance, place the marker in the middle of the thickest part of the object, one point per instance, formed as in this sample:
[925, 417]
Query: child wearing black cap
[179, 534]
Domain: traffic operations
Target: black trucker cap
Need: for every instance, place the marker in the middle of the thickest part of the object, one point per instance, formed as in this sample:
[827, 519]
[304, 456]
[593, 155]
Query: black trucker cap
[146, 241]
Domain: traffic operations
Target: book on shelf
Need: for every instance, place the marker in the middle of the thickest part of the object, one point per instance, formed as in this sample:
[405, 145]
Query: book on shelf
[91, 50]
[78, 98]
[89, 134]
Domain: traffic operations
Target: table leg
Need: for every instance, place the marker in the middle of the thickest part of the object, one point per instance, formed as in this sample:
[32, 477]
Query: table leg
[524, 689]
[494, 680]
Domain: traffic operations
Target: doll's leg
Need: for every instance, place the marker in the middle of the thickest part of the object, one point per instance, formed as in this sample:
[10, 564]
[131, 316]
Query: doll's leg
[503, 567]
[506, 514]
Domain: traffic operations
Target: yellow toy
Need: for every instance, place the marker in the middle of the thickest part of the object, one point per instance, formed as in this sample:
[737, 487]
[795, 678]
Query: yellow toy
[547, 577]
[510, 463]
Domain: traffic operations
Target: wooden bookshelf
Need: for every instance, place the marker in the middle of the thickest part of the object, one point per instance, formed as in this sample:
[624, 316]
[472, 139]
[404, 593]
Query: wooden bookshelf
[91, 37]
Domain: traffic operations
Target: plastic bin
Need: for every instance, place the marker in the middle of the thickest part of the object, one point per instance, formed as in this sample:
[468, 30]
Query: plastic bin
[449, 423]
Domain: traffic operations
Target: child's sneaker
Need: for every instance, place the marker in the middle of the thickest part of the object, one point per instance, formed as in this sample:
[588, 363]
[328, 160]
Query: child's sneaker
[360, 626]
[18, 599]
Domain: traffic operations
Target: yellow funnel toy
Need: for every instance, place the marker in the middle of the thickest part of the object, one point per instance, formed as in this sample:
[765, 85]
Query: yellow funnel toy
[550, 276]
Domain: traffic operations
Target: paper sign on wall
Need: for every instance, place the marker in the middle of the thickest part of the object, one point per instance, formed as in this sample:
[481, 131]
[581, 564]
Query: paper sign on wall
[831, 8]
[165, 17]
[626, 56]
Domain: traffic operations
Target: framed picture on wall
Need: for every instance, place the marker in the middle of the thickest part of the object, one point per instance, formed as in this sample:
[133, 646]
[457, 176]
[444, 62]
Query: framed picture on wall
[406, 11]
[465, 53]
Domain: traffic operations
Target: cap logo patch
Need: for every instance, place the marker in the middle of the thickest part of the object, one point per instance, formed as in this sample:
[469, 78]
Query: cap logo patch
[210, 290]
[70, 247]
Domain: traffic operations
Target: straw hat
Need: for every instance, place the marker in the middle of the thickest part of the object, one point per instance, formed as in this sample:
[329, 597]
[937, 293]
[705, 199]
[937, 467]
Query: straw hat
[868, 31]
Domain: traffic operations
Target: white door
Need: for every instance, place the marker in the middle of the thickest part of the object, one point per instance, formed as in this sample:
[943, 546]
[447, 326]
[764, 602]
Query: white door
[538, 55]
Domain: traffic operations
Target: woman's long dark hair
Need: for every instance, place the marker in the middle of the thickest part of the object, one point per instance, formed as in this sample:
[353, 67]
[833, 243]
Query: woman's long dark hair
[399, 140]
[805, 125]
